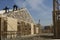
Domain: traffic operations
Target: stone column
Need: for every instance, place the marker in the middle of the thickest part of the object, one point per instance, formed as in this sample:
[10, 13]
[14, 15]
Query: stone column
[32, 29]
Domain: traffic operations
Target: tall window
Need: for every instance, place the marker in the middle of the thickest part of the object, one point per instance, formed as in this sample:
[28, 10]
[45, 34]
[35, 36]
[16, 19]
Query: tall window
[58, 16]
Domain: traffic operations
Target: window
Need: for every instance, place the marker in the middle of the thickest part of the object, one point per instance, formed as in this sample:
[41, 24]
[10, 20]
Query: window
[22, 22]
[29, 25]
[18, 23]
[58, 17]
[29, 28]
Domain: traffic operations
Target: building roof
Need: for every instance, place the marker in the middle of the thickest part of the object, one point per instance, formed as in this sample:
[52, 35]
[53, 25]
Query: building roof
[20, 14]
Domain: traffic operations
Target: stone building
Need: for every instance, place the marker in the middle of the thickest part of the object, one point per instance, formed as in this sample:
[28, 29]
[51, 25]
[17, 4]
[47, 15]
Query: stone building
[8, 25]
[37, 29]
[56, 21]
[21, 21]
[47, 29]
[56, 18]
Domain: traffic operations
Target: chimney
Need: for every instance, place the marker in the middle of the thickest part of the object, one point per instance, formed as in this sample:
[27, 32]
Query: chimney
[15, 7]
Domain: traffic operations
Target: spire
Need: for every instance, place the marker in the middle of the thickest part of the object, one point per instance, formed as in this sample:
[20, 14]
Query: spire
[39, 21]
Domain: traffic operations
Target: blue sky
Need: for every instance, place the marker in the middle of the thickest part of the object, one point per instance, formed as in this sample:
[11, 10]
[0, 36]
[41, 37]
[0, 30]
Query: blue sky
[39, 9]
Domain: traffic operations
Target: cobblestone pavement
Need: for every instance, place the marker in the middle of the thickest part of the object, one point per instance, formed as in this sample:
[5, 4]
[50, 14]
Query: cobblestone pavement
[29, 38]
